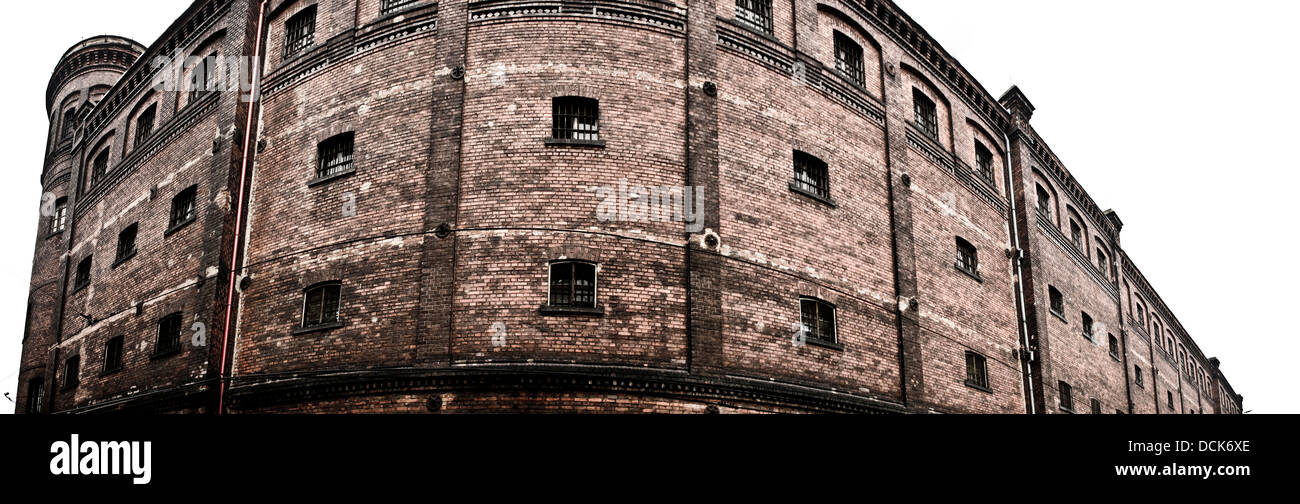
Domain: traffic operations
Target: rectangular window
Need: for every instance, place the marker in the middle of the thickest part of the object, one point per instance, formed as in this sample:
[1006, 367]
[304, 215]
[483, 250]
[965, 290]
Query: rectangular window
[144, 125]
[83, 274]
[320, 306]
[390, 6]
[1114, 345]
[984, 161]
[924, 110]
[967, 257]
[848, 58]
[1044, 202]
[810, 175]
[573, 284]
[575, 118]
[334, 156]
[1137, 376]
[1076, 234]
[99, 167]
[35, 396]
[69, 125]
[1102, 263]
[1087, 325]
[59, 218]
[72, 371]
[169, 335]
[1067, 401]
[755, 13]
[1170, 396]
[113, 354]
[1096, 406]
[1141, 318]
[300, 31]
[183, 208]
[203, 78]
[1057, 301]
[977, 371]
[126, 243]
[817, 318]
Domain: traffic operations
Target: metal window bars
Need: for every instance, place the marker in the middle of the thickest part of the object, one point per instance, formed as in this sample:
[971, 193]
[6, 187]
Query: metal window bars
[810, 175]
[755, 13]
[817, 319]
[334, 156]
[848, 58]
[575, 118]
[300, 31]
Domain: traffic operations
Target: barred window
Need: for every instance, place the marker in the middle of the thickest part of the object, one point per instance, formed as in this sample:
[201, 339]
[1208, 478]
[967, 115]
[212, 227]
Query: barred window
[300, 31]
[72, 371]
[83, 274]
[99, 167]
[755, 13]
[69, 124]
[967, 257]
[183, 207]
[1044, 202]
[113, 354]
[1141, 318]
[817, 318]
[1170, 397]
[391, 6]
[573, 284]
[925, 113]
[126, 243]
[1096, 406]
[203, 79]
[575, 118]
[169, 334]
[1087, 325]
[1137, 376]
[1114, 345]
[810, 175]
[984, 161]
[1067, 400]
[144, 125]
[1076, 234]
[320, 306]
[35, 396]
[59, 219]
[1102, 263]
[1057, 301]
[848, 58]
[977, 371]
[334, 155]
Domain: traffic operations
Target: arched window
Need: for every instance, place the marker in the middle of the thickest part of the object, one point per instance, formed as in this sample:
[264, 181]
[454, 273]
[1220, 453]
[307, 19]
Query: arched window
[967, 257]
[320, 304]
[817, 318]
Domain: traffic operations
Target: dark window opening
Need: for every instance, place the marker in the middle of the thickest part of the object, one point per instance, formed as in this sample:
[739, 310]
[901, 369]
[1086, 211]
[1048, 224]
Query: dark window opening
[811, 175]
[59, 219]
[1087, 325]
[1170, 396]
[977, 371]
[1142, 317]
[183, 207]
[1057, 301]
[334, 155]
[69, 124]
[35, 396]
[390, 6]
[575, 118]
[144, 125]
[1076, 234]
[967, 257]
[99, 167]
[1044, 202]
[1114, 345]
[1102, 263]
[72, 371]
[1067, 400]
[756, 13]
[1137, 376]
[848, 58]
[126, 243]
[169, 334]
[925, 113]
[320, 306]
[984, 161]
[573, 285]
[83, 274]
[203, 79]
[1096, 406]
[300, 32]
[817, 319]
[113, 354]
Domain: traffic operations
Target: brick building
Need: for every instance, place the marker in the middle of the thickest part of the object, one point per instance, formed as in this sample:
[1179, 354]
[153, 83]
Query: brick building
[408, 218]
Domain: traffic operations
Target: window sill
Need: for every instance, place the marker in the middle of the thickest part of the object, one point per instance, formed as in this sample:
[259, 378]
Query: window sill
[572, 310]
[1066, 410]
[756, 30]
[110, 372]
[122, 260]
[825, 344]
[978, 387]
[179, 226]
[1089, 337]
[318, 328]
[573, 143]
[330, 178]
[798, 190]
[1059, 316]
[54, 234]
[79, 288]
[969, 273]
[165, 353]
[1115, 356]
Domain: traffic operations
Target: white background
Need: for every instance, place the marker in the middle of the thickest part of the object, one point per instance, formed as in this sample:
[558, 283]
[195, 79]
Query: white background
[1177, 114]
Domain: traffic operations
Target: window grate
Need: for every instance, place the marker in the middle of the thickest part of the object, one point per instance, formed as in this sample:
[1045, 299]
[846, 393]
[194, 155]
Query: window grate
[144, 125]
[1067, 399]
[967, 257]
[755, 13]
[575, 118]
[126, 242]
[817, 319]
[848, 58]
[810, 175]
[183, 207]
[1044, 203]
[59, 219]
[391, 6]
[203, 79]
[573, 284]
[977, 370]
[169, 334]
[113, 354]
[300, 32]
[925, 114]
[83, 274]
[35, 396]
[1114, 345]
[984, 161]
[334, 156]
[1057, 301]
[1137, 375]
[1087, 325]
[1076, 234]
[321, 305]
[69, 124]
[72, 371]
[99, 167]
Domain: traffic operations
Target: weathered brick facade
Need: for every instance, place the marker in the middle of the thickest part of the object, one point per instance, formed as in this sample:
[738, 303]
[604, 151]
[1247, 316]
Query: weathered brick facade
[456, 200]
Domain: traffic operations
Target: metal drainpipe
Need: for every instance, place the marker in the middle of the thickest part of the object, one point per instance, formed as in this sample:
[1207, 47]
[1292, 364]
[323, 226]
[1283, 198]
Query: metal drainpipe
[245, 164]
[1026, 356]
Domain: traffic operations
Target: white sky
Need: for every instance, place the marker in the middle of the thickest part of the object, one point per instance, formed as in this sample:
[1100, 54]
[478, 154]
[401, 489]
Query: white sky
[1174, 113]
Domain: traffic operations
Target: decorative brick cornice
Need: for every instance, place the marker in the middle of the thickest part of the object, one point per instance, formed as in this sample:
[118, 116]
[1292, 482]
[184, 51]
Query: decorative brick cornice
[1053, 167]
[100, 53]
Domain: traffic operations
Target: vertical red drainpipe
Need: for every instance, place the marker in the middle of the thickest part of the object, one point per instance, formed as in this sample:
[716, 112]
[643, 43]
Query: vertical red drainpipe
[254, 97]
